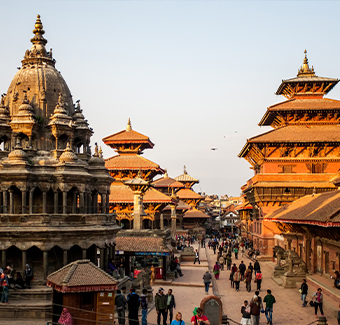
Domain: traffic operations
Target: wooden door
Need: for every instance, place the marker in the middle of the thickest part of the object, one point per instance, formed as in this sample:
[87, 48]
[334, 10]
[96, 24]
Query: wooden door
[105, 307]
[327, 262]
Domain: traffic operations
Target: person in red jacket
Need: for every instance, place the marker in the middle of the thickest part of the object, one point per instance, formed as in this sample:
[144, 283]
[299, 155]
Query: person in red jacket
[4, 283]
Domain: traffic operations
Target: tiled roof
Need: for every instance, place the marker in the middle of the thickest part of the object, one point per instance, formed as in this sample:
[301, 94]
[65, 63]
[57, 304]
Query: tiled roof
[319, 209]
[186, 193]
[194, 213]
[134, 162]
[302, 184]
[127, 136]
[180, 206]
[300, 134]
[167, 182]
[123, 194]
[306, 104]
[296, 104]
[141, 244]
[186, 178]
[244, 206]
[81, 276]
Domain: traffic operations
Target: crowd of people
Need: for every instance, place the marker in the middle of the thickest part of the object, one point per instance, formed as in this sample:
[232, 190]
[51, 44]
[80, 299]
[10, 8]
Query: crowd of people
[9, 279]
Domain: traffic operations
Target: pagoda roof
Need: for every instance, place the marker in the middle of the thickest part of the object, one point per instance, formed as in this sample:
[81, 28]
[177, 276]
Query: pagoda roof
[180, 206]
[128, 136]
[299, 104]
[186, 193]
[167, 182]
[296, 184]
[194, 213]
[123, 194]
[134, 162]
[319, 209]
[306, 82]
[185, 177]
[244, 206]
[81, 276]
[296, 134]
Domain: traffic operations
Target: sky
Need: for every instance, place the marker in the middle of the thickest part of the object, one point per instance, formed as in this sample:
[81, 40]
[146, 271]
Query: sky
[191, 75]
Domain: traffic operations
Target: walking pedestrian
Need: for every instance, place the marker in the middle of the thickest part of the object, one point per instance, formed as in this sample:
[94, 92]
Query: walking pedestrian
[160, 304]
[318, 301]
[144, 306]
[242, 268]
[217, 271]
[4, 283]
[178, 319]
[207, 280]
[245, 311]
[199, 318]
[236, 253]
[229, 261]
[197, 257]
[255, 310]
[133, 306]
[258, 279]
[304, 290]
[257, 266]
[221, 260]
[269, 299]
[248, 277]
[120, 303]
[237, 279]
[170, 304]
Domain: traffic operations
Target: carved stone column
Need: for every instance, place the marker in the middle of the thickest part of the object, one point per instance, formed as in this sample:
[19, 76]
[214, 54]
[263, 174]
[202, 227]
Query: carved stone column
[103, 197]
[173, 220]
[55, 204]
[23, 260]
[161, 221]
[44, 208]
[64, 202]
[102, 258]
[4, 202]
[30, 201]
[11, 202]
[84, 254]
[23, 202]
[45, 263]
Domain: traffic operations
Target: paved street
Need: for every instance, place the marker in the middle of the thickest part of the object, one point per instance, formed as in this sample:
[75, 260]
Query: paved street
[189, 291]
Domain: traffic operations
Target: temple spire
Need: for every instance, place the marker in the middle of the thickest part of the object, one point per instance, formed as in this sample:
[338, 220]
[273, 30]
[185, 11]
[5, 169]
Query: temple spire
[38, 32]
[128, 127]
[305, 70]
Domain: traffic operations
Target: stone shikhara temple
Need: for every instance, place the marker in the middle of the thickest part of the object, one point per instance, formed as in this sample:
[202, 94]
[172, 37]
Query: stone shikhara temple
[49, 182]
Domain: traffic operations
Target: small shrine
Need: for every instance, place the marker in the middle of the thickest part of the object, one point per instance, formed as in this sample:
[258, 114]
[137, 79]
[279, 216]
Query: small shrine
[86, 291]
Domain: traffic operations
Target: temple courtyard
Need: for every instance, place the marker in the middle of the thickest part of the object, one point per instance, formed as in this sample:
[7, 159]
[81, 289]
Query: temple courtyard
[189, 291]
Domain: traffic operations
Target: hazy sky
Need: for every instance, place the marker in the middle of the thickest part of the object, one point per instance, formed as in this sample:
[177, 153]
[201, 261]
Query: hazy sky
[191, 75]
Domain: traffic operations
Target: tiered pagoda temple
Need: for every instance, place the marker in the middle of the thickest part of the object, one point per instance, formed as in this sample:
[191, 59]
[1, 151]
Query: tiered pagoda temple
[299, 156]
[125, 166]
[50, 185]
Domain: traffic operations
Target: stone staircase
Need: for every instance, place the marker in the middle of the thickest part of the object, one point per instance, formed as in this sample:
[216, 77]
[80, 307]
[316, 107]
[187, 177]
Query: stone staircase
[34, 303]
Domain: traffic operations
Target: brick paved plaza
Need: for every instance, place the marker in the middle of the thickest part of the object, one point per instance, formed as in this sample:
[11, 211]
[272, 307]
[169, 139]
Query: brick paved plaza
[189, 291]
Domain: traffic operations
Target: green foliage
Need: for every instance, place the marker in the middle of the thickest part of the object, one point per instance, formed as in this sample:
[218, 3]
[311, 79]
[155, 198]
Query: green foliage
[39, 120]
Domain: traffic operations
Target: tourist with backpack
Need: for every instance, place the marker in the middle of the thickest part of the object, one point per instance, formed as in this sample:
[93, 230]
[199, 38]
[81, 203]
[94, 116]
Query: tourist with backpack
[199, 318]
[4, 283]
[178, 319]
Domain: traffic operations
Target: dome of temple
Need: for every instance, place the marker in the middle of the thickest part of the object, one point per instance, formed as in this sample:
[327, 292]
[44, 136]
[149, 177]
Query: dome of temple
[40, 79]
[18, 153]
[68, 155]
[97, 158]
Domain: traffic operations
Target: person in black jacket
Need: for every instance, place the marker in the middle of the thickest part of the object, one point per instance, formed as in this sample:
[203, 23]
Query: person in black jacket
[256, 266]
[304, 291]
[133, 305]
[242, 268]
[120, 303]
[171, 304]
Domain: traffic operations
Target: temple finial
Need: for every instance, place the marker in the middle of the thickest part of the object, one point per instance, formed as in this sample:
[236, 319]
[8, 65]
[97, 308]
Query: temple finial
[38, 32]
[165, 173]
[305, 70]
[185, 170]
[128, 127]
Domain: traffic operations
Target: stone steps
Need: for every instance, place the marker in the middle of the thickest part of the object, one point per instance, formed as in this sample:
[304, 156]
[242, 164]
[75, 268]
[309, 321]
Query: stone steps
[34, 309]
[35, 293]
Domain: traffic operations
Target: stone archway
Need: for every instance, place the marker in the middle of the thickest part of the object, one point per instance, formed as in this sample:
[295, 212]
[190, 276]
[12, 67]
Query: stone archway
[14, 258]
[75, 253]
[55, 259]
[35, 260]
